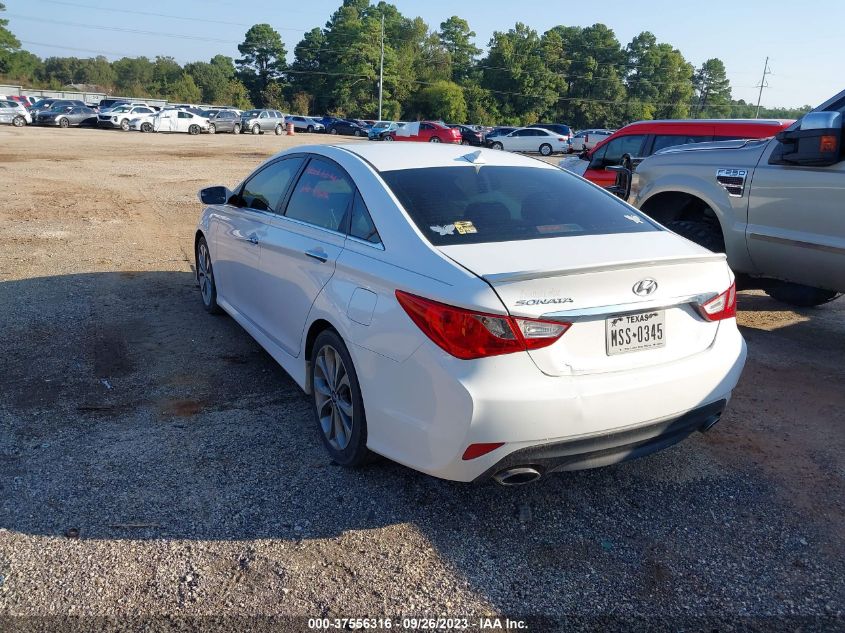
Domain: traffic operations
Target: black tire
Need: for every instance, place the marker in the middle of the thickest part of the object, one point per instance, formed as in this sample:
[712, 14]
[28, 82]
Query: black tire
[63, 122]
[389, 138]
[546, 149]
[355, 452]
[124, 125]
[236, 129]
[332, 131]
[799, 295]
[194, 129]
[278, 130]
[497, 145]
[212, 129]
[464, 142]
[205, 275]
[434, 139]
[19, 121]
[255, 129]
[704, 234]
[146, 127]
[310, 129]
[357, 132]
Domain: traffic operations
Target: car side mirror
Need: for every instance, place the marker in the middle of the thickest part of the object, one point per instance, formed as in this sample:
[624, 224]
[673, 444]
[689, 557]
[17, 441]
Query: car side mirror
[215, 195]
[817, 142]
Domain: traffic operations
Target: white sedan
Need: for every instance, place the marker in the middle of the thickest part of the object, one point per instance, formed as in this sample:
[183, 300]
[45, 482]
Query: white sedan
[471, 315]
[171, 121]
[532, 139]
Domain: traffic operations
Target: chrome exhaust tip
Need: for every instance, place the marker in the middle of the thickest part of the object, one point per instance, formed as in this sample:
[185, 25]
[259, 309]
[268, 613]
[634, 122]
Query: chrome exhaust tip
[518, 476]
[710, 422]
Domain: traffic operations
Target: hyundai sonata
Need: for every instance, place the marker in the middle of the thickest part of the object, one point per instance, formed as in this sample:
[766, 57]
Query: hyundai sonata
[471, 315]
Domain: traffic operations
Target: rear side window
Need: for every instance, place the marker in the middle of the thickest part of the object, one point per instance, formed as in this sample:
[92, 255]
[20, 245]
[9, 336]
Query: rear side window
[472, 205]
[265, 190]
[322, 196]
[663, 141]
[361, 224]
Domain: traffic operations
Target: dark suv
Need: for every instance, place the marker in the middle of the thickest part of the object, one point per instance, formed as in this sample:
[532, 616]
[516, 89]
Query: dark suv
[557, 128]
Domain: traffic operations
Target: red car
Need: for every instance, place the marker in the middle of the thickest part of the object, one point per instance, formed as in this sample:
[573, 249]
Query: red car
[646, 137]
[425, 132]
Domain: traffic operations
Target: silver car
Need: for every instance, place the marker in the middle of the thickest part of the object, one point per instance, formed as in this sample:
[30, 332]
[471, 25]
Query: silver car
[258, 121]
[14, 113]
[223, 121]
[306, 124]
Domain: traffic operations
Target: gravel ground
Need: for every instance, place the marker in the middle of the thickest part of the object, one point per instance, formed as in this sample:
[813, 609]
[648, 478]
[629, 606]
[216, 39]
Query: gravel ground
[155, 461]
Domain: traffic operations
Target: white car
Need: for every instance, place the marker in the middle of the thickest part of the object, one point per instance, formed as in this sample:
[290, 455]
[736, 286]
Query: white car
[122, 115]
[532, 139]
[14, 113]
[588, 139]
[171, 121]
[471, 315]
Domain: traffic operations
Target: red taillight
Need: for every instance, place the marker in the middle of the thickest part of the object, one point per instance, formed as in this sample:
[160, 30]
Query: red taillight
[466, 334]
[722, 306]
[477, 450]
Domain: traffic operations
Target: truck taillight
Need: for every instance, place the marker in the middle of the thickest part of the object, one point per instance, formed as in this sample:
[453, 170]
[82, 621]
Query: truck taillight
[722, 306]
[467, 334]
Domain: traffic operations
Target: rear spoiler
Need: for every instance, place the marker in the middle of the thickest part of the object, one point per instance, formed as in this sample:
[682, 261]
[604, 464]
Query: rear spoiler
[503, 278]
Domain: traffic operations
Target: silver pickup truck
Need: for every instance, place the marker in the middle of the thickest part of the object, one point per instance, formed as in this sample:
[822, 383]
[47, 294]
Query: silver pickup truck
[775, 206]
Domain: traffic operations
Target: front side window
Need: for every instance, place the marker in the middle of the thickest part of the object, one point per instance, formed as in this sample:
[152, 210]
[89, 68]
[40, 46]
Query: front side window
[265, 190]
[184, 115]
[471, 205]
[322, 195]
[264, 115]
[361, 224]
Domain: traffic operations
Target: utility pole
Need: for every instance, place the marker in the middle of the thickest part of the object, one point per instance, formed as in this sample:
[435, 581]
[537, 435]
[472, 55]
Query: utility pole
[762, 85]
[381, 69]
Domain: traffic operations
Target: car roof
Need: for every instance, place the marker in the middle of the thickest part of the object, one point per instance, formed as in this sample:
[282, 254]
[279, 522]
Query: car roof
[393, 156]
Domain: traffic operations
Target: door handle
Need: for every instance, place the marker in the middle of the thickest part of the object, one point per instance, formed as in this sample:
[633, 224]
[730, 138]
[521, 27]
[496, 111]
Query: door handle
[320, 256]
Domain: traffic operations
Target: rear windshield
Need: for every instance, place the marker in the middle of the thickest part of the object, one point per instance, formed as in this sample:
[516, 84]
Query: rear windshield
[473, 205]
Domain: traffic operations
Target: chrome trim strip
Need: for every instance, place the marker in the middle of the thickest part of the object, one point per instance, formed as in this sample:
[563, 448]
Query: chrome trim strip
[311, 226]
[621, 309]
[358, 240]
[784, 240]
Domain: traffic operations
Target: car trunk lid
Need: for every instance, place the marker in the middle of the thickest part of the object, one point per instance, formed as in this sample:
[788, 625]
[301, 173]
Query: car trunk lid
[592, 280]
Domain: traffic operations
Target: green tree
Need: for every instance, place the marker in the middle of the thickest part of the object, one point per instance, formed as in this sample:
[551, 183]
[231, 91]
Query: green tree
[712, 90]
[592, 68]
[515, 73]
[237, 95]
[263, 60]
[23, 66]
[97, 71]
[185, 90]
[457, 38]
[8, 43]
[659, 82]
[305, 72]
[166, 73]
[213, 78]
[481, 106]
[443, 100]
[133, 75]
[273, 97]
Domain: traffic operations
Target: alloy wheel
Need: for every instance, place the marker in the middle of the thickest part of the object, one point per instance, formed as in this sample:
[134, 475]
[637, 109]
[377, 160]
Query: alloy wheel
[333, 397]
[204, 273]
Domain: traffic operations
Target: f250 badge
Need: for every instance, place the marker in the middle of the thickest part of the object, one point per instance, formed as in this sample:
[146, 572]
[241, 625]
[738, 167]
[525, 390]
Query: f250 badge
[544, 302]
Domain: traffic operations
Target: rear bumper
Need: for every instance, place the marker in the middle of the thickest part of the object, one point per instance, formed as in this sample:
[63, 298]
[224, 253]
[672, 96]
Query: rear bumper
[425, 411]
[612, 448]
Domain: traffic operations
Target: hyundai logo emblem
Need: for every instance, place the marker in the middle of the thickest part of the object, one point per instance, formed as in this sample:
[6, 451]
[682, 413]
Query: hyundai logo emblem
[645, 287]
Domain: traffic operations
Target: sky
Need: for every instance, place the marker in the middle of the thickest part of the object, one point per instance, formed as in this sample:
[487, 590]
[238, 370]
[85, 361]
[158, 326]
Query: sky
[803, 46]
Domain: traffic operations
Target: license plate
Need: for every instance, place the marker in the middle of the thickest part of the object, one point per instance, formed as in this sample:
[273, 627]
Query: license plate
[635, 332]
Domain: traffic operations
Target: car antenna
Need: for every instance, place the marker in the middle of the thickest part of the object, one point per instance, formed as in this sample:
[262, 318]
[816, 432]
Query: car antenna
[474, 157]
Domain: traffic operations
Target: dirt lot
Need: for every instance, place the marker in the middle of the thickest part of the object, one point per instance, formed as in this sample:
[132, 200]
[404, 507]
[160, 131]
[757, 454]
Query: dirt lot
[188, 462]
